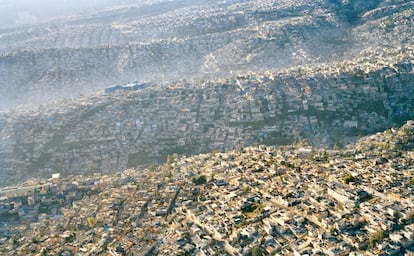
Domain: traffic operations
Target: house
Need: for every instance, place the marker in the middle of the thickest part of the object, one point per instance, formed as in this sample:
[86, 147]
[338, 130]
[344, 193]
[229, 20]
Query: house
[130, 87]
[113, 88]
[350, 124]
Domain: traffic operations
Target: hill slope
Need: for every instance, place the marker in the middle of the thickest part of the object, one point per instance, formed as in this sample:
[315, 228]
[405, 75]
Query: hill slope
[279, 200]
[326, 105]
[187, 39]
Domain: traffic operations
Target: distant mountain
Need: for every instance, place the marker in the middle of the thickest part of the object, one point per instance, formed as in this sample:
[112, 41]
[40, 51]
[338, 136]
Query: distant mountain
[163, 41]
[19, 13]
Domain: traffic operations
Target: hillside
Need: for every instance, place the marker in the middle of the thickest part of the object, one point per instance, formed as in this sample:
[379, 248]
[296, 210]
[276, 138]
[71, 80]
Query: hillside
[328, 106]
[280, 201]
[164, 41]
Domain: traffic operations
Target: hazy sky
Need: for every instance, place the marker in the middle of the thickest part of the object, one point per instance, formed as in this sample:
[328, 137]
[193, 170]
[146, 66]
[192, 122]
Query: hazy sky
[19, 12]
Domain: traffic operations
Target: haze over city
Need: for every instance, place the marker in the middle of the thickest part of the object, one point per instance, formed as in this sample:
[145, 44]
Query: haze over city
[28, 12]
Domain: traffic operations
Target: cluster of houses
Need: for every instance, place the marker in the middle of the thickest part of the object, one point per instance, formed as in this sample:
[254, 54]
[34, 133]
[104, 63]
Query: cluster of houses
[117, 129]
[138, 124]
[290, 200]
[126, 87]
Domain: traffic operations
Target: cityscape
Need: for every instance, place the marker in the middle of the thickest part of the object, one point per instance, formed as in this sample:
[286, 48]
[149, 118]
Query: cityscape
[188, 127]
[290, 200]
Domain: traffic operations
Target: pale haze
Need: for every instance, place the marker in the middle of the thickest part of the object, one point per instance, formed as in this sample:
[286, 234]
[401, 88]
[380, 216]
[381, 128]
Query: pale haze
[24, 12]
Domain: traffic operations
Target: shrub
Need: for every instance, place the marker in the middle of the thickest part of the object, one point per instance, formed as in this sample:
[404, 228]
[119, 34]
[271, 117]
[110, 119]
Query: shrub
[199, 180]
[257, 251]
[348, 178]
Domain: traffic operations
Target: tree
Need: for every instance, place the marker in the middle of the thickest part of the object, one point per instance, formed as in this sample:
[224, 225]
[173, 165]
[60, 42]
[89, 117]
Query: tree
[200, 180]
[245, 189]
[257, 251]
[348, 178]
[374, 239]
[91, 222]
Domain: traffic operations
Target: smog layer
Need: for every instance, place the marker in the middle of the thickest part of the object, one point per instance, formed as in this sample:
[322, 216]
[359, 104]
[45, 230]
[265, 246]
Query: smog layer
[168, 40]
